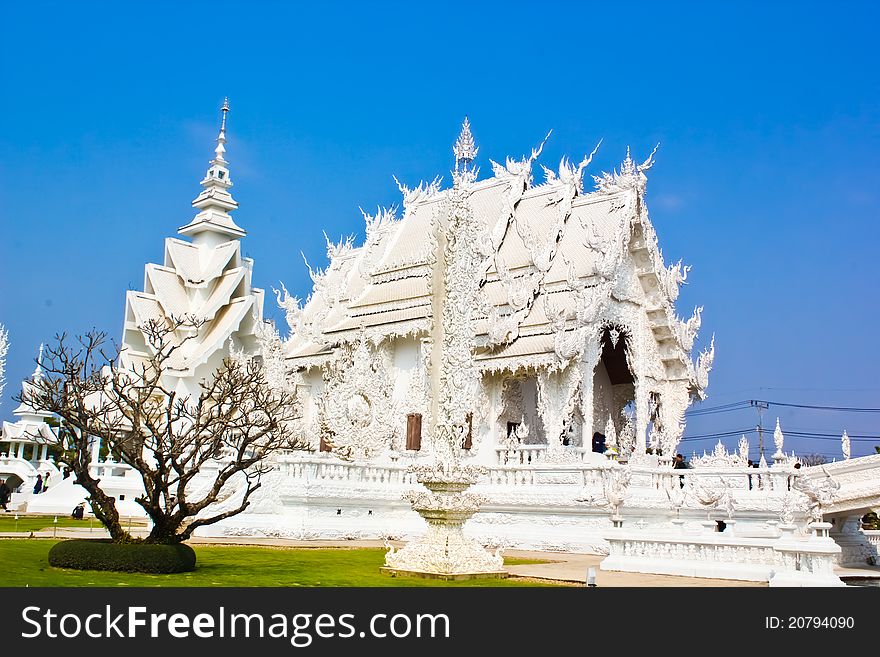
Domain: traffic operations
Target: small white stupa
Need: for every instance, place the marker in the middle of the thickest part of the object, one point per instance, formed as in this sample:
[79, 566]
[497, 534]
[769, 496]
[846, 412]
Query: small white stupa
[206, 279]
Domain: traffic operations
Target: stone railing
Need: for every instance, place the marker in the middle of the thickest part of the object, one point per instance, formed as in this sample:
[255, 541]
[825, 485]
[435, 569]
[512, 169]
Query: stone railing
[577, 474]
[782, 562]
[318, 468]
[873, 537]
[112, 469]
[741, 481]
[540, 454]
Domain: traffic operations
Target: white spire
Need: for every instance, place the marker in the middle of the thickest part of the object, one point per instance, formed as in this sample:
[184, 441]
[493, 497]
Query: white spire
[38, 372]
[845, 445]
[465, 151]
[215, 202]
[778, 440]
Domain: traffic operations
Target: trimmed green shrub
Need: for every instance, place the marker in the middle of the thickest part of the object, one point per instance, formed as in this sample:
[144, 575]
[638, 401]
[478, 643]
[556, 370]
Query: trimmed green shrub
[102, 554]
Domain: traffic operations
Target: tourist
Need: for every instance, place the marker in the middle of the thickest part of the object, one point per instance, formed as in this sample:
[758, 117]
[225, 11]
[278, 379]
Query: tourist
[5, 493]
[46, 482]
[39, 485]
[599, 442]
[78, 511]
[66, 473]
[678, 463]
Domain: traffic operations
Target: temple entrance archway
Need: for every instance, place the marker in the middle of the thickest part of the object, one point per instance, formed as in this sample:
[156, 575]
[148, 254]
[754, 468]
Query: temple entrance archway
[613, 385]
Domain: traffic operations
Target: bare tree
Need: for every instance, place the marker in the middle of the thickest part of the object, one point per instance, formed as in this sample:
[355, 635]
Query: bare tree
[194, 454]
[812, 459]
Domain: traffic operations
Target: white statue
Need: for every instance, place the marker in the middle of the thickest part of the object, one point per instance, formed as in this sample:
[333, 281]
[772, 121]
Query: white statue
[821, 492]
[778, 440]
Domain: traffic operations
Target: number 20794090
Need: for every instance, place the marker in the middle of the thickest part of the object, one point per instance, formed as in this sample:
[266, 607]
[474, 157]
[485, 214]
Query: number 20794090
[809, 622]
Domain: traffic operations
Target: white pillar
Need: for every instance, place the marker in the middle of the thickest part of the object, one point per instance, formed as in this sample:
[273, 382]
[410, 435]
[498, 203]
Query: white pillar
[641, 427]
[45, 452]
[641, 391]
[588, 371]
[96, 449]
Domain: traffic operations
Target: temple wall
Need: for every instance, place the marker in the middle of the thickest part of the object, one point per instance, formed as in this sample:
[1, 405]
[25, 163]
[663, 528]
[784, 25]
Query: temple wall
[405, 358]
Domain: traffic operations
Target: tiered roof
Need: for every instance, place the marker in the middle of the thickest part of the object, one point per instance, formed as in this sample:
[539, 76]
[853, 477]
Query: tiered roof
[556, 255]
[206, 280]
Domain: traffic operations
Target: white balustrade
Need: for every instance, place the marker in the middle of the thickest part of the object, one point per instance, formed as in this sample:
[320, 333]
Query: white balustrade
[804, 562]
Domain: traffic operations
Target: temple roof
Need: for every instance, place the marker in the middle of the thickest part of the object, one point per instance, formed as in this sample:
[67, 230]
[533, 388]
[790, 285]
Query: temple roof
[556, 255]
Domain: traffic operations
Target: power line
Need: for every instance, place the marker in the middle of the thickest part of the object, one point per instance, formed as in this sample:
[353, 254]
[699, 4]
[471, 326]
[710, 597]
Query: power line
[735, 406]
[847, 409]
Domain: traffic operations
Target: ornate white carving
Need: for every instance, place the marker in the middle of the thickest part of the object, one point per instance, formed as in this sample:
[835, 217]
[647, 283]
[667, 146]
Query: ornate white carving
[445, 549]
[293, 310]
[631, 175]
[743, 449]
[721, 458]
[521, 290]
[615, 487]
[356, 406]
[610, 434]
[627, 437]
[687, 331]
[845, 446]
[699, 373]
[556, 401]
[519, 177]
[710, 494]
[820, 492]
[423, 192]
[671, 279]
[779, 441]
[465, 151]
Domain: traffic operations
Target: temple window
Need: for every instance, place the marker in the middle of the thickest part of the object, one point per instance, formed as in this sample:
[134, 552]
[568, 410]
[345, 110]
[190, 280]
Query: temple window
[414, 431]
[468, 441]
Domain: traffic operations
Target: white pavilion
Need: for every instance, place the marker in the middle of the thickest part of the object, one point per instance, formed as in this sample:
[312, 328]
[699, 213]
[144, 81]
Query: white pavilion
[24, 444]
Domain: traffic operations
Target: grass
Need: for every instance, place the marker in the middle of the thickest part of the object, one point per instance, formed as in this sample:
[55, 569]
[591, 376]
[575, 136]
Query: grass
[26, 524]
[25, 563]
[513, 561]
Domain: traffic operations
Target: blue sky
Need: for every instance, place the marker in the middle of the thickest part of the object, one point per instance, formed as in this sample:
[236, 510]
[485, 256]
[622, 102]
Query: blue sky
[766, 180]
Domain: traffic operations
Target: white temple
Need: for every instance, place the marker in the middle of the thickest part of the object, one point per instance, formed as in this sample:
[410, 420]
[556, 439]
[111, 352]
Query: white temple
[567, 328]
[576, 327]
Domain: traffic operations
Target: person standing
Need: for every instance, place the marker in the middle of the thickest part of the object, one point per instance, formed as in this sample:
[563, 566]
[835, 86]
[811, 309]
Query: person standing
[39, 485]
[5, 493]
[599, 442]
[678, 463]
[46, 482]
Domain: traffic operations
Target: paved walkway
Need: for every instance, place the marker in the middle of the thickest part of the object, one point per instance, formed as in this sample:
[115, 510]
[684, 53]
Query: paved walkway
[570, 567]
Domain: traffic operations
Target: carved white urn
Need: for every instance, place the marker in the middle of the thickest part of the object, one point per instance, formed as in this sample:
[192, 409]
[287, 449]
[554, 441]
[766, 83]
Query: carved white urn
[444, 551]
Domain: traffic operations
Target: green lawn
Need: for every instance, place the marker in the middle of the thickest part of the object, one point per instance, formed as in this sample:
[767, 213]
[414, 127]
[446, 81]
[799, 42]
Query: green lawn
[513, 561]
[26, 524]
[25, 563]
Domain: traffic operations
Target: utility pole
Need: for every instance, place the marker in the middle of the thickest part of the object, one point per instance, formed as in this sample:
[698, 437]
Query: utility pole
[761, 406]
